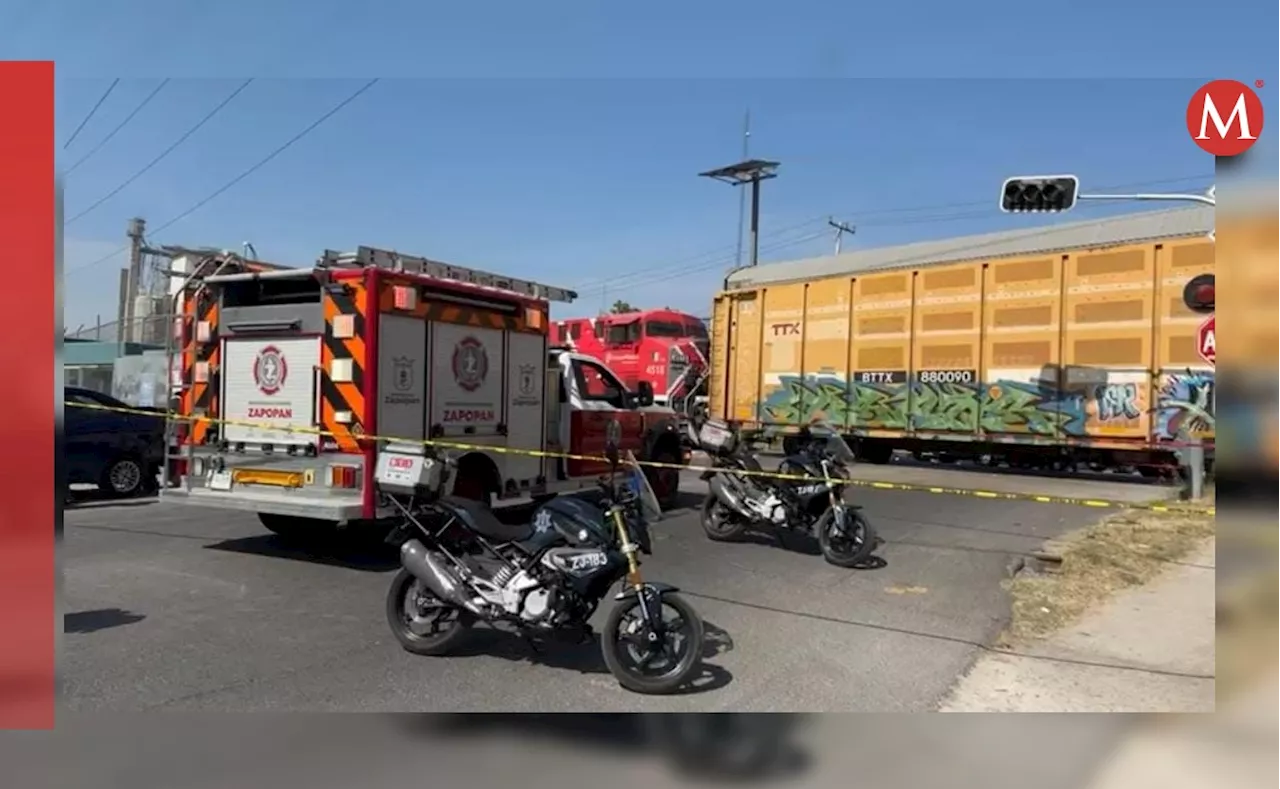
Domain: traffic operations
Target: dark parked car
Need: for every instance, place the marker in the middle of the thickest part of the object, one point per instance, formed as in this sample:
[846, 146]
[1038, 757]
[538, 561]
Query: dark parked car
[121, 453]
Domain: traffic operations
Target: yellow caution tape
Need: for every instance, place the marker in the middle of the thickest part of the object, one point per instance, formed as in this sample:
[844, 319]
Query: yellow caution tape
[779, 475]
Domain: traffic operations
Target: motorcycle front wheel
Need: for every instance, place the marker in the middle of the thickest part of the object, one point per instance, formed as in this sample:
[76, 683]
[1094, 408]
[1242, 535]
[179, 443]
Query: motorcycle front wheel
[850, 548]
[421, 622]
[651, 663]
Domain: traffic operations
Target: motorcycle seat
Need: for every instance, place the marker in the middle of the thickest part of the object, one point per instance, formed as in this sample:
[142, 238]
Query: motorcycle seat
[481, 520]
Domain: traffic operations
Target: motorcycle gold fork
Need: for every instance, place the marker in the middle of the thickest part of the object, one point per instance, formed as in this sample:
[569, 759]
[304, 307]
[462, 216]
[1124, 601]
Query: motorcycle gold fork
[630, 549]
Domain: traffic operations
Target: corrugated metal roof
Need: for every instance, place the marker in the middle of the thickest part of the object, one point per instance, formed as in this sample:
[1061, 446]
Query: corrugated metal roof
[1112, 231]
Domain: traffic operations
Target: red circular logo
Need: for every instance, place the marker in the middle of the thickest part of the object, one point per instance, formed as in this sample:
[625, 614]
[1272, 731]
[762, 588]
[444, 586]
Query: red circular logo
[270, 370]
[1225, 117]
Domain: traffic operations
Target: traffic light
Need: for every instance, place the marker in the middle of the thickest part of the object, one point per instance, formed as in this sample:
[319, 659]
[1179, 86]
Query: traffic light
[1026, 194]
[1197, 294]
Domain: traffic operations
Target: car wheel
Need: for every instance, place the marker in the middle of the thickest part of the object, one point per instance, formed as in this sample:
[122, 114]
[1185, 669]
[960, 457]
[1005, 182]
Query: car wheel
[123, 477]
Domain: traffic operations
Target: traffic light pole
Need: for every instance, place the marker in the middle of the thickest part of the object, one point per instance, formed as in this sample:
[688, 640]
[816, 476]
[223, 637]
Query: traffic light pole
[1205, 199]
[1209, 199]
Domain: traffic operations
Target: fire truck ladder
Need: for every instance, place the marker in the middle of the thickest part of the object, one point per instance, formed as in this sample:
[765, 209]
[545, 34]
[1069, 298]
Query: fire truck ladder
[395, 261]
[176, 339]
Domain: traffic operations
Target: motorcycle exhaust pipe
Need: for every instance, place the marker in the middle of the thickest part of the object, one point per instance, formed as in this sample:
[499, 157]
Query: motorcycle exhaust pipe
[723, 490]
[436, 575]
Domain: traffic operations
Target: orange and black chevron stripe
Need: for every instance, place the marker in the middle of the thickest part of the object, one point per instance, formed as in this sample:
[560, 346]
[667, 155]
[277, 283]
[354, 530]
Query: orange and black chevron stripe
[343, 299]
[205, 395]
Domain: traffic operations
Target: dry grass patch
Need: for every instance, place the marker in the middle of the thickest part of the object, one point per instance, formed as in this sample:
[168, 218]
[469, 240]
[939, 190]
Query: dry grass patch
[1124, 550]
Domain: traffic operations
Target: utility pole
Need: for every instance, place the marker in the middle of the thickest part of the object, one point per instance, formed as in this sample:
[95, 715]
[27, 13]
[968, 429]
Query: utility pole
[841, 229]
[137, 228]
[742, 196]
[122, 311]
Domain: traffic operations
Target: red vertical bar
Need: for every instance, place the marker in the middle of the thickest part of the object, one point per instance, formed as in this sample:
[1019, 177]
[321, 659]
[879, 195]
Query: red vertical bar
[372, 320]
[28, 615]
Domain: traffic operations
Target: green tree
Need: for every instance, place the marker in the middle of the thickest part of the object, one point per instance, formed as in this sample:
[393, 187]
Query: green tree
[620, 306]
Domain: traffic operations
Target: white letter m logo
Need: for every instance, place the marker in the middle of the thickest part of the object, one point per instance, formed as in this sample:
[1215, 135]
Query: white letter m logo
[1211, 111]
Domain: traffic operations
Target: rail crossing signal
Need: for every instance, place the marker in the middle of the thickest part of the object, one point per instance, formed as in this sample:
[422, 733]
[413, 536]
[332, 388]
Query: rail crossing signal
[1197, 294]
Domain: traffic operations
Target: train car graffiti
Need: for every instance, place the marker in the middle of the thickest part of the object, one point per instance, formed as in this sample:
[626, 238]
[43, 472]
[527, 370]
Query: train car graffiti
[1185, 406]
[1117, 402]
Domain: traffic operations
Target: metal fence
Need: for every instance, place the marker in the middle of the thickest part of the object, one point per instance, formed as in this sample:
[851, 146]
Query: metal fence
[146, 331]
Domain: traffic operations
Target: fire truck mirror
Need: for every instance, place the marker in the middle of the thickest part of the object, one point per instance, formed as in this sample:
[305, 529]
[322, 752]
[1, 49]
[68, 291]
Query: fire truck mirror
[612, 441]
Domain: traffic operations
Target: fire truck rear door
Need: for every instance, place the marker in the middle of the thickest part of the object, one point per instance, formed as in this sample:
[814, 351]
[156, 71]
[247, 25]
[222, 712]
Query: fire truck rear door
[268, 386]
[466, 380]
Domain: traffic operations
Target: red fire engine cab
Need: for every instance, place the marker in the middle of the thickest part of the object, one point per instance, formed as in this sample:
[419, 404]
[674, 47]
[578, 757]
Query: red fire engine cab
[665, 348]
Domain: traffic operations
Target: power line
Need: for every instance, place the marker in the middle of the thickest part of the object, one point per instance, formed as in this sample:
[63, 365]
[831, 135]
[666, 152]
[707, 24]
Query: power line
[166, 151]
[116, 130]
[724, 258]
[724, 255]
[92, 112]
[974, 248]
[252, 169]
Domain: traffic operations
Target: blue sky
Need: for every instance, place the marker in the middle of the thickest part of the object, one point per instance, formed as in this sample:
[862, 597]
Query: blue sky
[561, 142]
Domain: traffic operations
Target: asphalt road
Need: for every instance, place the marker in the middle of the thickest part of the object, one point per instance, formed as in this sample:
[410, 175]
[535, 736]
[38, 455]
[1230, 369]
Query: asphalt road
[179, 608]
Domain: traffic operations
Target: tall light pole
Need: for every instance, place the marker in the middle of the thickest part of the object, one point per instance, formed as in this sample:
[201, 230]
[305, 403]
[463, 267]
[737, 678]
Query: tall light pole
[751, 171]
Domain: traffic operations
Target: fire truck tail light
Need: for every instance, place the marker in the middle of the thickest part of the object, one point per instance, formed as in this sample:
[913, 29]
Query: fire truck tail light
[347, 477]
[404, 297]
[204, 331]
[342, 417]
[344, 327]
[340, 371]
[202, 372]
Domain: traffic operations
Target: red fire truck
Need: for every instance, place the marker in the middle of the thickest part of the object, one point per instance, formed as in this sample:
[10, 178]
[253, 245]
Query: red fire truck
[303, 372]
[664, 348]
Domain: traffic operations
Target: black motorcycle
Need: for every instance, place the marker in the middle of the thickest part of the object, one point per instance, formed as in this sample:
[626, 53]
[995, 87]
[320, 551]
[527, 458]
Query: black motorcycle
[461, 565]
[810, 499]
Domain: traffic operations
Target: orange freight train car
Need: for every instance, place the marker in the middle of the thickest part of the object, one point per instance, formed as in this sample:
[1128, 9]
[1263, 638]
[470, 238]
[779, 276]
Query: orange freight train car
[1059, 345]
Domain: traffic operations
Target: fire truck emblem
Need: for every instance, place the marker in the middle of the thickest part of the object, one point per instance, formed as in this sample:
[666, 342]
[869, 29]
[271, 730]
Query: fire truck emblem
[402, 373]
[270, 370]
[470, 364]
[527, 374]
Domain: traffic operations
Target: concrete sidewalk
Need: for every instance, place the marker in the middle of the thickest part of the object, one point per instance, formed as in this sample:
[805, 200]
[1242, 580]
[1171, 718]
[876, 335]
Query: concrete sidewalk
[1149, 649]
